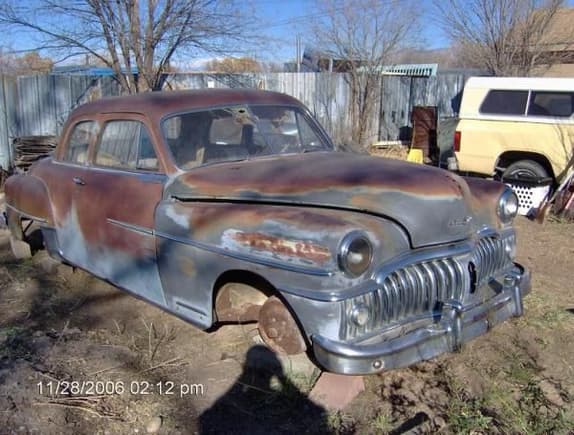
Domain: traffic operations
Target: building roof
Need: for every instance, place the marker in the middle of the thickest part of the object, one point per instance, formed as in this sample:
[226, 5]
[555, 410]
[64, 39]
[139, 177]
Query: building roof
[87, 70]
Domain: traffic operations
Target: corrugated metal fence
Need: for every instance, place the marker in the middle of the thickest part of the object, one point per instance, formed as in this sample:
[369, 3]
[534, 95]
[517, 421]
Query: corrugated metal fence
[39, 105]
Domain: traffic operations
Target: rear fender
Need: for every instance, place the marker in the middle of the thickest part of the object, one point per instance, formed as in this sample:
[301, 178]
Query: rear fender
[27, 197]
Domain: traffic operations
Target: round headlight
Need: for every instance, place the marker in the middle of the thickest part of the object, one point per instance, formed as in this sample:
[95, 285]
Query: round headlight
[507, 206]
[355, 254]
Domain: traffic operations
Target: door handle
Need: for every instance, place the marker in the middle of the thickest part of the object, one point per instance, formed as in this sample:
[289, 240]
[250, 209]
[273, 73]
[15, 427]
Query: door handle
[79, 181]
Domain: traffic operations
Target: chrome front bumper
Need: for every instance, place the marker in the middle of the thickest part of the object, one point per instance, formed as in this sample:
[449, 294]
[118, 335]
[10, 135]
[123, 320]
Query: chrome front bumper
[456, 325]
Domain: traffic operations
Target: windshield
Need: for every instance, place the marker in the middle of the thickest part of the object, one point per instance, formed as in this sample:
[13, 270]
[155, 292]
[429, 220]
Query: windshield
[240, 132]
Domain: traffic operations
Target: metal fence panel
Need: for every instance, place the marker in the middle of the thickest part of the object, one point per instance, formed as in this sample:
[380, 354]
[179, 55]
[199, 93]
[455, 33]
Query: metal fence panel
[39, 105]
[5, 148]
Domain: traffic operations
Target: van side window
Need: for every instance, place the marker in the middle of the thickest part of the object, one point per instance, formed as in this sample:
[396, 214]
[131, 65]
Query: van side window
[555, 104]
[499, 102]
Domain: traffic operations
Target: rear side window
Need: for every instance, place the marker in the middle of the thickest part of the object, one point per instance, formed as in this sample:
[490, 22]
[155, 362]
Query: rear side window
[499, 102]
[80, 139]
[554, 104]
[126, 145]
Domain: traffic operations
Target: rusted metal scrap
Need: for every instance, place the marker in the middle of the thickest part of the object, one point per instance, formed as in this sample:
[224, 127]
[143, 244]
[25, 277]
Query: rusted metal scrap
[29, 149]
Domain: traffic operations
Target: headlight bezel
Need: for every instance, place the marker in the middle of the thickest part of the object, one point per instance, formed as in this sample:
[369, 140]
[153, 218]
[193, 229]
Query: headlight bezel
[354, 237]
[507, 199]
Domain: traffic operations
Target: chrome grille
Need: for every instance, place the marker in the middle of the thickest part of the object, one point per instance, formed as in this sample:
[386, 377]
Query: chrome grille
[416, 289]
[490, 256]
[408, 291]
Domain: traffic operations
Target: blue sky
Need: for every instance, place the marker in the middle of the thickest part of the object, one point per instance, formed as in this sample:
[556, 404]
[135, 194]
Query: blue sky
[284, 19]
[281, 21]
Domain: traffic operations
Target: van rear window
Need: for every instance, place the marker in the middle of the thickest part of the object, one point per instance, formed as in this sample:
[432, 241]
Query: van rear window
[502, 102]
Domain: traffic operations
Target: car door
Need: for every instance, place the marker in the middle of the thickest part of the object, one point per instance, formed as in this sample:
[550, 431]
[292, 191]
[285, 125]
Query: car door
[120, 192]
[63, 179]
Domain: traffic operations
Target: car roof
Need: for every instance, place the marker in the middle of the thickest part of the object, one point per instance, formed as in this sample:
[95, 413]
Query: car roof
[159, 104]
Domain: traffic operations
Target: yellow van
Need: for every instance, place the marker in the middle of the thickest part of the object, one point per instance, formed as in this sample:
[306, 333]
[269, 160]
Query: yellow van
[516, 128]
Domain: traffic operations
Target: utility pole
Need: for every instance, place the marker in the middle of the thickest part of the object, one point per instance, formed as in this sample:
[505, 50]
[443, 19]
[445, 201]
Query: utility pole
[298, 42]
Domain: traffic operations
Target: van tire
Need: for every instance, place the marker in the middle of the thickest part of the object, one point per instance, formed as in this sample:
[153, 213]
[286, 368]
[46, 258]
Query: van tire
[525, 169]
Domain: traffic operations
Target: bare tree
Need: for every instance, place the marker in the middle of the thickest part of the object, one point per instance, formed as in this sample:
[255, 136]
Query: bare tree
[234, 65]
[136, 40]
[29, 63]
[506, 37]
[362, 36]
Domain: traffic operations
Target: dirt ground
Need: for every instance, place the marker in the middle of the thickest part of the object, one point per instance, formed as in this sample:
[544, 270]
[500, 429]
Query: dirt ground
[79, 356]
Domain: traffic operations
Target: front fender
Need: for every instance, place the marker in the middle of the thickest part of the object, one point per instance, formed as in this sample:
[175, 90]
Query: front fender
[483, 196]
[293, 247]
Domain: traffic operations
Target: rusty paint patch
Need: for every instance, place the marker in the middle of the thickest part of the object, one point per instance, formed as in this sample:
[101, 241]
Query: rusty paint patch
[304, 174]
[294, 248]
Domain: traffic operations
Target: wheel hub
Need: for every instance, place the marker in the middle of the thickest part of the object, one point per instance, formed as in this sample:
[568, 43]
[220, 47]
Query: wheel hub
[278, 328]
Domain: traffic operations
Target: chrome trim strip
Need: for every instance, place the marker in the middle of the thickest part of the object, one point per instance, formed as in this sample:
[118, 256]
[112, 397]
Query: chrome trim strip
[26, 215]
[155, 176]
[252, 259]
[131, 227]
[334, 295]
[147, 176]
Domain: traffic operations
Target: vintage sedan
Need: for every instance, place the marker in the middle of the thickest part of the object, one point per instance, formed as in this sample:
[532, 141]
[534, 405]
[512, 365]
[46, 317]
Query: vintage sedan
[232, 206]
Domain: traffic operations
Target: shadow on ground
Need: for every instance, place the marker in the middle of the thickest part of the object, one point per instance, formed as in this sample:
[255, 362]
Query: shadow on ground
[263, 400]
[70, 327]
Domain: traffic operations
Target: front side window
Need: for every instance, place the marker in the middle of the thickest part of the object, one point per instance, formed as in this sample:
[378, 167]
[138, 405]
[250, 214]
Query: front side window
[500, 102]
[80, 138]
[127, 145]
[240, 132]
[554, 104]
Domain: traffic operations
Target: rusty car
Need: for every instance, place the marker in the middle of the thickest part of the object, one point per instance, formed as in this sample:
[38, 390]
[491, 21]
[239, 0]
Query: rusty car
[227, 205]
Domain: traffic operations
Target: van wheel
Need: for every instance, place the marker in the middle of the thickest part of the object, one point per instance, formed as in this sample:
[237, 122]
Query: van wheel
[525, 169]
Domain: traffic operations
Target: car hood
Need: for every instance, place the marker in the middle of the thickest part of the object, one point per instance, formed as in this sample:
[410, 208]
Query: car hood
[429, 203]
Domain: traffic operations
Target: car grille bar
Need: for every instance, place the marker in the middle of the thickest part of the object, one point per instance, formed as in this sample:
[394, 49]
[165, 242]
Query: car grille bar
[408, 291]
[490, 256]
[421, 288]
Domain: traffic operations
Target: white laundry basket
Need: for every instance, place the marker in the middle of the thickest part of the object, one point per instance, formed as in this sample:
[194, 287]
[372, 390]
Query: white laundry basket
[530, 194]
